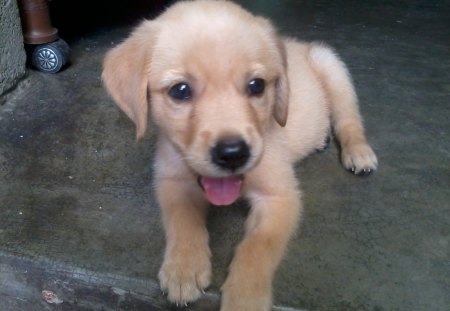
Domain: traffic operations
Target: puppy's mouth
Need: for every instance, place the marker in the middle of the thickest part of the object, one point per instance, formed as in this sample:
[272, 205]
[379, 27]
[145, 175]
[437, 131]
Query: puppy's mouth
[221, 190]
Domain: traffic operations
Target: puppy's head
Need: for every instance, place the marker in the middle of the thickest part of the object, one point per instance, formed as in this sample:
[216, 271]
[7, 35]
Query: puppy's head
[214, 79]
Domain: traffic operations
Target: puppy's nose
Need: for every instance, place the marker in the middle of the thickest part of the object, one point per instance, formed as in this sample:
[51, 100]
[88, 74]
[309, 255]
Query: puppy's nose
[230, 153]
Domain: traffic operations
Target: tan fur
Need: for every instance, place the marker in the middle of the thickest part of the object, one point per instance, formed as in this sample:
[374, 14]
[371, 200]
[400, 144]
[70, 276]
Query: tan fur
[217, 47]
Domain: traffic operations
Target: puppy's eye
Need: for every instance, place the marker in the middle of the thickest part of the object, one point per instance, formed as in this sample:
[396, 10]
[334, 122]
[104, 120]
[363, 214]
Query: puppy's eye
[256, 87]
[180, 91]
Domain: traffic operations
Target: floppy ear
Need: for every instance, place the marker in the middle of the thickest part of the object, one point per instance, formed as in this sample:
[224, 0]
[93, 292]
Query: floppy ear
[125, 74]
[280, 110]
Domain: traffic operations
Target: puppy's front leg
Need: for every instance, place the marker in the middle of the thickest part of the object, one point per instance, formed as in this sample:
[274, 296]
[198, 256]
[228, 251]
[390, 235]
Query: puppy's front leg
[273, 218]
[186, 270]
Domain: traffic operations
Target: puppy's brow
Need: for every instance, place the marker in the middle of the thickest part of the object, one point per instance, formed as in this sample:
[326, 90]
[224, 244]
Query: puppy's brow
[171, 78]
[257, 71]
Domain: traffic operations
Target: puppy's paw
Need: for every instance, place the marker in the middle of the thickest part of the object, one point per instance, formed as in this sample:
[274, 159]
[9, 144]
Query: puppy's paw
[185, 276]
[359, 159]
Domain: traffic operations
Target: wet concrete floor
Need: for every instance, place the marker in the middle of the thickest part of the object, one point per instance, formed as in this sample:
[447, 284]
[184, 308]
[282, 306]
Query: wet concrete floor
[78, 216]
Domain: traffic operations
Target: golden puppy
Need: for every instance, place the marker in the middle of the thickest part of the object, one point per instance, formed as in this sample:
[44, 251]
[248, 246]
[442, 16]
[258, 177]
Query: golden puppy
[234, 106]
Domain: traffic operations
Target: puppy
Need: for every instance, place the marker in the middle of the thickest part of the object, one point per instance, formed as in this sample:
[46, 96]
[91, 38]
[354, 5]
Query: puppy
[234, 106]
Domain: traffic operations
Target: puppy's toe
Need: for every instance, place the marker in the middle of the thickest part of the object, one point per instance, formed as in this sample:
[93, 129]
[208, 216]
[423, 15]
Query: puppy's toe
[184, 282]
[363, 172]
[359, 159]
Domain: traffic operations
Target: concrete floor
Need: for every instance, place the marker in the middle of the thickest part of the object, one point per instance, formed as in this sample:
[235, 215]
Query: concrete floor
[77, 209]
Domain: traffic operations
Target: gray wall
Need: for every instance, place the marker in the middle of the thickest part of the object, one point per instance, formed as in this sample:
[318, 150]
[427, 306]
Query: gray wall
[12, 52]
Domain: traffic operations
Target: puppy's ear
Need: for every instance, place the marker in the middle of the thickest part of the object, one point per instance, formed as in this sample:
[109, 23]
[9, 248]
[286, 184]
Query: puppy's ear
[125, 74]
[281, 108]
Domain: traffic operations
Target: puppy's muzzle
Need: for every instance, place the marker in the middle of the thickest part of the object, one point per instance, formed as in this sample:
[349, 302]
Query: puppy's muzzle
[230, 154]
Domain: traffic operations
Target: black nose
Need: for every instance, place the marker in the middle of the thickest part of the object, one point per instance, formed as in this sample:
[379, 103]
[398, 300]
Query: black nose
[230, 153]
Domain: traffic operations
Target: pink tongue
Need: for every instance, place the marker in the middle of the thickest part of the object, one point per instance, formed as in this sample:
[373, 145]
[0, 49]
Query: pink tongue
[222, 191]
